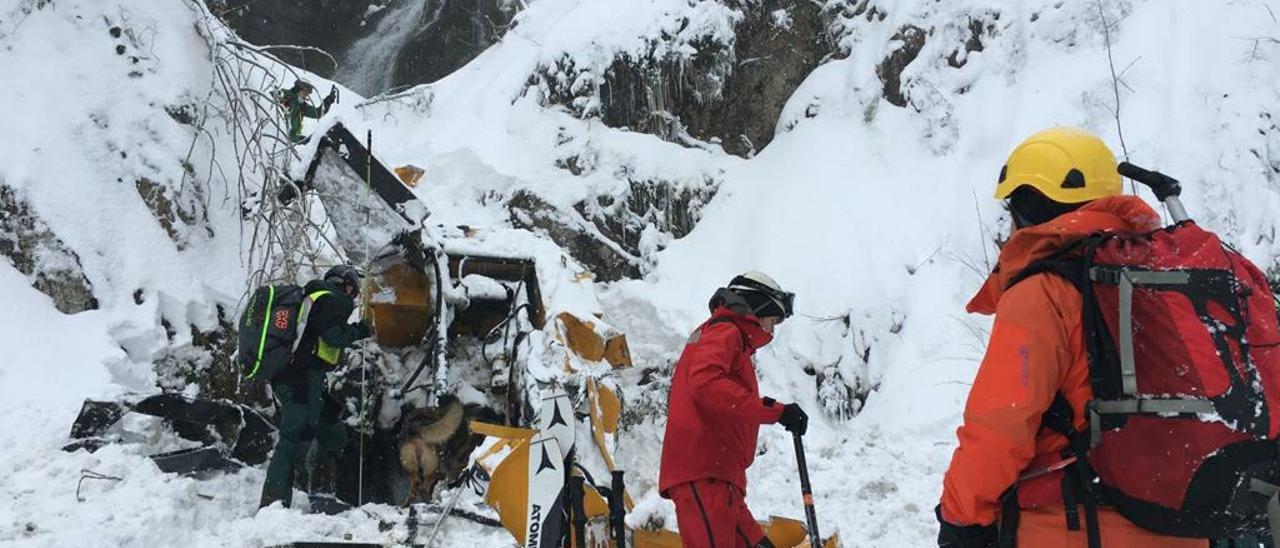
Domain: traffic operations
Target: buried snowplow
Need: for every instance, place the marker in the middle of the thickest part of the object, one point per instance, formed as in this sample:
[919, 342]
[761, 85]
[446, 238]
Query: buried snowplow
[379, 222]
[544, 481]
[448, 315]
[446, 312]
[555, 476]
[453, 317]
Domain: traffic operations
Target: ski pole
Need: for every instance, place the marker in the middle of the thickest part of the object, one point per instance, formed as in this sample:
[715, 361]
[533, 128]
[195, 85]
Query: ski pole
[435, 529]
[809, 514]
[364, 310]
[577, 509]
[475, 477]
[618, 509]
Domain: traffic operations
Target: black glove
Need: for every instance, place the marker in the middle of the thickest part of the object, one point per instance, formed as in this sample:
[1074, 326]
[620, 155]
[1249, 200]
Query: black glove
[964, 536]
[794, 419]
[362, 329]
[329, 99]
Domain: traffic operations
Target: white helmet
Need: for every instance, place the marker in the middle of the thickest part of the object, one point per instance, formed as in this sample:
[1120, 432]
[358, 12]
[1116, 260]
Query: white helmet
[763, 294]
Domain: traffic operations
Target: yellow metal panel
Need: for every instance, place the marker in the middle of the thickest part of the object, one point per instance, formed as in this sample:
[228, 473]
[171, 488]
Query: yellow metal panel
[611, 409]
[783, 532]
[616, 351]
[593, 503]
[500, 431]
[832, 541]
[410, 174]
[657, 539]
[509, 490]
[403, 320]
[596, 412]
[581, 337]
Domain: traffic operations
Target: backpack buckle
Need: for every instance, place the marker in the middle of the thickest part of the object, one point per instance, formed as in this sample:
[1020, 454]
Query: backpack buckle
[1109, 276]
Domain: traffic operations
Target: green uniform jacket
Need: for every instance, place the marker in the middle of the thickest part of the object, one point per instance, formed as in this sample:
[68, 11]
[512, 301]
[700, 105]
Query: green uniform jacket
[296, 108]
[327, 331]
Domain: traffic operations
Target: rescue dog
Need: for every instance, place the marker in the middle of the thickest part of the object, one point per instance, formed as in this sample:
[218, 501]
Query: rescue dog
[423, 438]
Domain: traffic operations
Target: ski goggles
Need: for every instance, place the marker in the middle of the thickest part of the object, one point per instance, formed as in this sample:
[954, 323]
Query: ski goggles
[784, 300]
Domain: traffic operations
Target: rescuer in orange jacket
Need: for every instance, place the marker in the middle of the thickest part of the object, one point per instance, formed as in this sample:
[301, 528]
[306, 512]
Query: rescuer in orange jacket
[714, 412]
[1061, 185]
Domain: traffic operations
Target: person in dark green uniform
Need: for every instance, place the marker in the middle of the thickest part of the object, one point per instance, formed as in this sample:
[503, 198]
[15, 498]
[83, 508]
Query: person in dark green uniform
[307, 413]
[296, 102]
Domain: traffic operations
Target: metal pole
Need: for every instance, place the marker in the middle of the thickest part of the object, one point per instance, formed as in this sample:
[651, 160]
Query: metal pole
[810, 515]
[618, 509]
[578, 510]
[444, 514]
[364, 290]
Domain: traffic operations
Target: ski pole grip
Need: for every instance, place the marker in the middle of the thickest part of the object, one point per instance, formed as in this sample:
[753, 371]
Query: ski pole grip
[1162, 185]
[1166, 188]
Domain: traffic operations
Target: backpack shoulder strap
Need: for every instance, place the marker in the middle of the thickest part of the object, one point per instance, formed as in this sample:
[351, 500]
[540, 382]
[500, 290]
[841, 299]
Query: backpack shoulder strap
[305, 312]
[1067, 263]
[1059, 417]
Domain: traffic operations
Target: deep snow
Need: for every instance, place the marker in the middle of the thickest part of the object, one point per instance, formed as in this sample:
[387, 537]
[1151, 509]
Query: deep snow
[867, 211]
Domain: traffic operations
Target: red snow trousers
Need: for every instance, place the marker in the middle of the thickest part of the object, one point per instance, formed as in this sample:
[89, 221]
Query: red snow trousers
[713, 514]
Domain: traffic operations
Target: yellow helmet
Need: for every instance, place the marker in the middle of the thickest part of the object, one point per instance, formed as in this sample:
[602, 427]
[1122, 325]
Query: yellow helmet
[1067, 165]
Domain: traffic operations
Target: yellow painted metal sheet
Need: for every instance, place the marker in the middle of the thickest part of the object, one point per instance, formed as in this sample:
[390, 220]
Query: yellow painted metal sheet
[584, 338]
[783, 532]
[410, 174]
[657, 539]
[400, 303]
[509, 490]
[500, 431]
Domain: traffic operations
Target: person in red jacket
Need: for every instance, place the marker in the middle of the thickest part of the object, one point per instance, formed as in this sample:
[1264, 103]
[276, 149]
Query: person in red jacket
[714, 413]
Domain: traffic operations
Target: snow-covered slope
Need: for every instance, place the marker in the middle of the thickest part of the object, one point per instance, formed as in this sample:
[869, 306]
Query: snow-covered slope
[879, 217]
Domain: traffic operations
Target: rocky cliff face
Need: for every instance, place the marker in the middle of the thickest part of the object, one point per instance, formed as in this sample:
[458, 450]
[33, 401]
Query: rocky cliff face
[460, 31]
[331, 25]
[28, 243]
[378, 44]
[703, 90]
[706, 88]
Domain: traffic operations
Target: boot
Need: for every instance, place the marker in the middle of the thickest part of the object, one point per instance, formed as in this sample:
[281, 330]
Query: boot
[324, 476]
[324, 482]
[269, 497]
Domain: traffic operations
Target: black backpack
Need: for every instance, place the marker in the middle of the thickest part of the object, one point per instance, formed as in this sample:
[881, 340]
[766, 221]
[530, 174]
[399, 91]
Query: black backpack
[268, 329]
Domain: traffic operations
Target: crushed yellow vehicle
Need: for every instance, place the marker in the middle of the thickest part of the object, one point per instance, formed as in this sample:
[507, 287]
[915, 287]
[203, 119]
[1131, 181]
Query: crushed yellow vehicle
[593, 340]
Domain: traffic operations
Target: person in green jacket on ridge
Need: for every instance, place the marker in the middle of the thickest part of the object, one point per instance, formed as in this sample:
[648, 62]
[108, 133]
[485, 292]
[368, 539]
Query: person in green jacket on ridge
[307, 413]
[296, 102]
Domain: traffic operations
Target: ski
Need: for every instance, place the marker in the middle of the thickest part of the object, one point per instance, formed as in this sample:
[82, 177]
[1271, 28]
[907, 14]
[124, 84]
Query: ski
[544, 511]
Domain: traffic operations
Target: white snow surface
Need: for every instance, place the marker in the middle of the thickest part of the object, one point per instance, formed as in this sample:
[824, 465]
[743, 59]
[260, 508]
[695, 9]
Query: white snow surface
[870, 212]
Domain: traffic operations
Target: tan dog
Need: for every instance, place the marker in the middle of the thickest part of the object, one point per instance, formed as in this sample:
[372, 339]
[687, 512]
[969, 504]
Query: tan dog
[423, 436]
